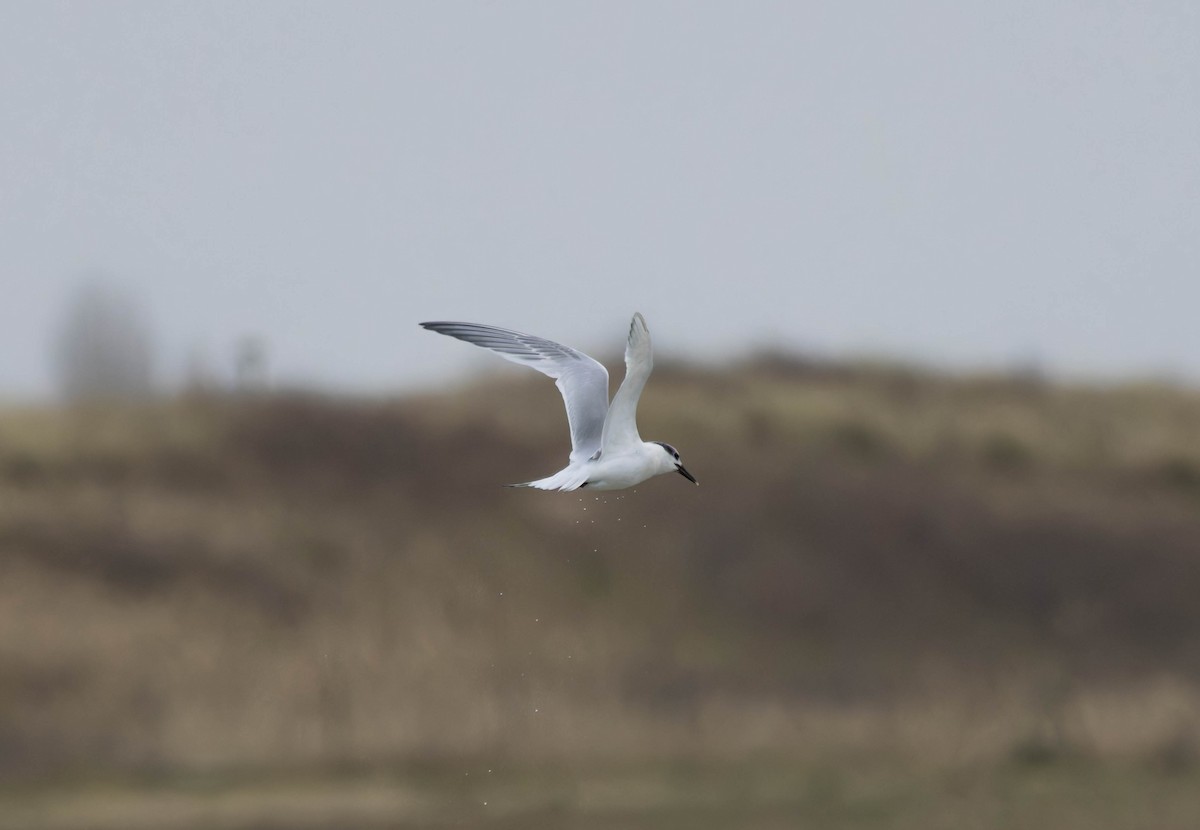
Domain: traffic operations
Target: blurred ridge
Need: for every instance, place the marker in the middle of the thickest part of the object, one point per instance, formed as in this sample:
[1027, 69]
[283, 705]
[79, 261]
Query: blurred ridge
[299, 580]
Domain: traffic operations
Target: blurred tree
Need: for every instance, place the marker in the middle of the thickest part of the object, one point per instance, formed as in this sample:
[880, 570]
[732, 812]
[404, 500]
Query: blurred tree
[104, 349]
[250, 365]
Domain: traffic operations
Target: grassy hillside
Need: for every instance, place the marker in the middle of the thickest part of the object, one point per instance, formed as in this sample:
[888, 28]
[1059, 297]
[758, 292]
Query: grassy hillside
[991, 581]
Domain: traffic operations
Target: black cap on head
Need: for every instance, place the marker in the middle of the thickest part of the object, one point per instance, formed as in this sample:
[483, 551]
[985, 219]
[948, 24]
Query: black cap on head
[674, 453]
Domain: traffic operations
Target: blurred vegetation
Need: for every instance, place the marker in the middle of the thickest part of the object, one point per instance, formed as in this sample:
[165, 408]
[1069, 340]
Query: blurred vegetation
[898, 599]
[104, 351]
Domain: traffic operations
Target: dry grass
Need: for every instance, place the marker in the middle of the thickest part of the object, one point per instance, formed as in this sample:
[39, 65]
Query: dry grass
[947, 574]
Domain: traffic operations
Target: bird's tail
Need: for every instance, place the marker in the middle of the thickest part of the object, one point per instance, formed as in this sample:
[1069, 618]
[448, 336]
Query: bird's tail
[565, 479]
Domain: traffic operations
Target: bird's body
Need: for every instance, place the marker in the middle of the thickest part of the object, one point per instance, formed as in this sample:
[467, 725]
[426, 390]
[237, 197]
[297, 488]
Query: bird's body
[611, 471]
[607, 453]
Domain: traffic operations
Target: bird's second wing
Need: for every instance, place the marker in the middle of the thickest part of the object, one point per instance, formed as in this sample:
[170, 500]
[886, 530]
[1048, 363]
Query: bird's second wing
[582, 381]
[620, 425]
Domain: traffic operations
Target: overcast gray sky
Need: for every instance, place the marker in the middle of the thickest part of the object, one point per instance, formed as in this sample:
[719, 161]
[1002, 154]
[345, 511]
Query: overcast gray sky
[965, 183]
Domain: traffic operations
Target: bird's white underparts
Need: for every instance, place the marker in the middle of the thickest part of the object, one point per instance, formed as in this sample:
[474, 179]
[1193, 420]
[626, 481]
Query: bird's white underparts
[607, 453]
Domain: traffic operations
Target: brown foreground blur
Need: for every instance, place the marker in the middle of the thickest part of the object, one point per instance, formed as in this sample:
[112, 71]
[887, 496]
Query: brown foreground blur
[897, 600]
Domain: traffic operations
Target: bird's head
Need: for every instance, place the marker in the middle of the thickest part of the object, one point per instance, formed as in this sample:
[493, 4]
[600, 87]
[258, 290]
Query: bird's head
[669, 461]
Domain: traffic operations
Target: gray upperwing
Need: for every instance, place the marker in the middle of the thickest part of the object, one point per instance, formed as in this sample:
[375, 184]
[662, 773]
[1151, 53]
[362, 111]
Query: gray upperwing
[620, 425]
[582, 381]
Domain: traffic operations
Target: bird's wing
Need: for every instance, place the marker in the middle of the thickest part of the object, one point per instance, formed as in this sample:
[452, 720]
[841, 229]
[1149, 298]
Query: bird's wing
[582, 381]
[620, 426]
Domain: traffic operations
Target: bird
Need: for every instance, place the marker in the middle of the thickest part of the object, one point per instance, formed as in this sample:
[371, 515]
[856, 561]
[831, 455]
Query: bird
[607, 453]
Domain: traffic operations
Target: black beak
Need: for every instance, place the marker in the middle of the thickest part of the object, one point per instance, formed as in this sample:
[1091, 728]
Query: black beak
[680, 469]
